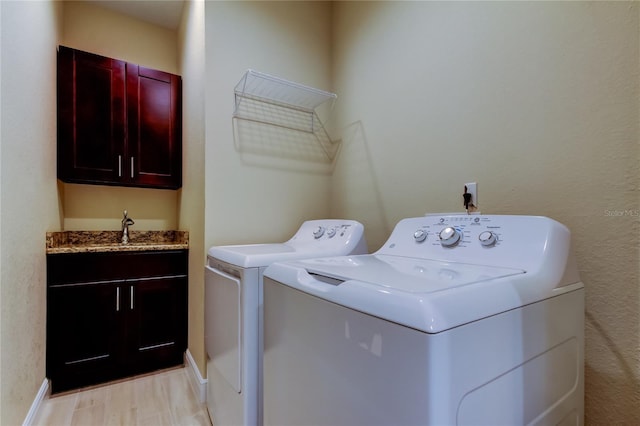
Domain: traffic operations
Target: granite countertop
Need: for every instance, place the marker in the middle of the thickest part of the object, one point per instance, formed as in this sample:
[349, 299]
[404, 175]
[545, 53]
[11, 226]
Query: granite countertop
[109, 241]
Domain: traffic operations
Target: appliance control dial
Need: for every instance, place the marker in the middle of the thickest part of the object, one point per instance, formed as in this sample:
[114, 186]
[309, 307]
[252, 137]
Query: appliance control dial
[449, 236]
[487, 238]
[331, 232]
[420, 235]
[319, 232]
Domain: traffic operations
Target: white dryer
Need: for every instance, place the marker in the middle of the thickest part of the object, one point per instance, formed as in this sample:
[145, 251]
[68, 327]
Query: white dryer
[456, 320]
[233, 312]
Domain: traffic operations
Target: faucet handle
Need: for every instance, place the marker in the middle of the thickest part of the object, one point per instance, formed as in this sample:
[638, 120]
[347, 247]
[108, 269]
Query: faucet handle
[126, 219]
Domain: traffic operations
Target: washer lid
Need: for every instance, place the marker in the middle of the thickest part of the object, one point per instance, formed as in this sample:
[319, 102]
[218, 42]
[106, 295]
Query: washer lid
[402, 273]
[428, 295]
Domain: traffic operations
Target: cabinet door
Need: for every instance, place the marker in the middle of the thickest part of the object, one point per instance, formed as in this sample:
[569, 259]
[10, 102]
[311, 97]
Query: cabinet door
[157, 326]
[91, 117]
[154, 138]
[83, 333]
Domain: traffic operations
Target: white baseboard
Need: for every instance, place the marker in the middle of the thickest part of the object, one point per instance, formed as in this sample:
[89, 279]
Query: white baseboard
[199, 383]
[35, 406]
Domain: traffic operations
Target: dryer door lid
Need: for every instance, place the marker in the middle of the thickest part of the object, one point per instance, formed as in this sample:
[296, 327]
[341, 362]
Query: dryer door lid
[252, 255]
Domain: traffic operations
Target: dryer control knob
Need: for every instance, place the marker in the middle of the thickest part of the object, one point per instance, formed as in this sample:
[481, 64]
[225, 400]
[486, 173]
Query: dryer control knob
[420, 235]
[331, 232]
[487, 238]
[319, 232]
[449, 236]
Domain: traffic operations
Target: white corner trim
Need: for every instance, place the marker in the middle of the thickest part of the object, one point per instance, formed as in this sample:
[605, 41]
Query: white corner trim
[35, 406]
[197, 381]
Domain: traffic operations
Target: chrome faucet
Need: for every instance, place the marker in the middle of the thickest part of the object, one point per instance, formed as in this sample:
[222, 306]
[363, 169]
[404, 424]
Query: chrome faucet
[126, 221]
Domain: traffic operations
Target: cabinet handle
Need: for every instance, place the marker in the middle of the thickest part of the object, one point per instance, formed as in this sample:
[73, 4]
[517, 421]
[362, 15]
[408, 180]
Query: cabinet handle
[132, 167]
[119, 165]
[131, 294]
[117, 299]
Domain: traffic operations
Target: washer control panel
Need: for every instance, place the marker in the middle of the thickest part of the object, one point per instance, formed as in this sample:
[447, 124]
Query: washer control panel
[477, 239]
[459, 231]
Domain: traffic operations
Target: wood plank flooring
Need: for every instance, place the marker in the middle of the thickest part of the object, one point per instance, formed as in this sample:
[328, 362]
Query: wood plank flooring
[165, 398]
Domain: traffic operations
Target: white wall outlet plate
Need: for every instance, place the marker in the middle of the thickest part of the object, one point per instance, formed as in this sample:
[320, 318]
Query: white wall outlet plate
[472, 188]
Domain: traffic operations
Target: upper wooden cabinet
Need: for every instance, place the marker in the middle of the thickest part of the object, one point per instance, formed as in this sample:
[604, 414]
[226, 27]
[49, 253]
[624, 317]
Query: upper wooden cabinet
[118, 123]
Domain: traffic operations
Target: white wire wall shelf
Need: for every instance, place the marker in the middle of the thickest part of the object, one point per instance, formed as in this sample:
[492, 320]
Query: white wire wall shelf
[279, 117]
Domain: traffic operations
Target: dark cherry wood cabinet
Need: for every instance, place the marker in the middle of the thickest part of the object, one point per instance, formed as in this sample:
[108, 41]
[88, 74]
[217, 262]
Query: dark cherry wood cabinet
[82, 334]
[118, 123]
[91, 117]
[113, 315]
[154, 147]
[154, 331]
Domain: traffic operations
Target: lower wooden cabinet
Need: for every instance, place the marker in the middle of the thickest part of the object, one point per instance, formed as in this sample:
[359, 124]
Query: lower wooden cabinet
[113, 315]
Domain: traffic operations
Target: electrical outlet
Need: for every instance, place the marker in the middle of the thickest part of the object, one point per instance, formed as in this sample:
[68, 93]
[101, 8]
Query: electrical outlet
[472, 188]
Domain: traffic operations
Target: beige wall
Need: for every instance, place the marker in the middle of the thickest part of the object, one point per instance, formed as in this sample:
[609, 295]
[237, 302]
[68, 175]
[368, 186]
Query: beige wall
[538, 102]
[191, 200]
[98, 30]
[250, 200]
[29, 195]
[95, 29]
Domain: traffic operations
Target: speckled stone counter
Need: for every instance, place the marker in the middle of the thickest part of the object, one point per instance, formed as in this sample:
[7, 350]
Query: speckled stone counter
[109, 241]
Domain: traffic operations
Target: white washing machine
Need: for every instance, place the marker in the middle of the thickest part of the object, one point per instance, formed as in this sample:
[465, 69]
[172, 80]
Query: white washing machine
[233, 312]
[456, 320]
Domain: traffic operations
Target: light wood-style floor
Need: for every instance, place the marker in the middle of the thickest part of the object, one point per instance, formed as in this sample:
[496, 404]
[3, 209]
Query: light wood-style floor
[165, 398]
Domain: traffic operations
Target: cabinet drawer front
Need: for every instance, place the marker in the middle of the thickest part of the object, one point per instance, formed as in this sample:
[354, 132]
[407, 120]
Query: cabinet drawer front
[76, 268]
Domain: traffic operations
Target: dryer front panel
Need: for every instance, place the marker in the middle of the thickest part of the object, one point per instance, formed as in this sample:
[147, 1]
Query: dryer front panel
[223, 324]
